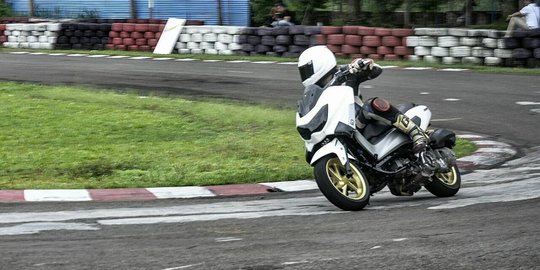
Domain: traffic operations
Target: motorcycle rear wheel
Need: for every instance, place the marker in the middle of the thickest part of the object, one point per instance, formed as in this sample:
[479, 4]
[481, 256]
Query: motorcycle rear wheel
[349, 194]
[445, 184]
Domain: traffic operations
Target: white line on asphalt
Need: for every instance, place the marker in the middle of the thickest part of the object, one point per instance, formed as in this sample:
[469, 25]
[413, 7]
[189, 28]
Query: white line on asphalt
[453, 69]
[452, 99]
[185, 59]
[183, 266]
[118, 56]
[97, 56]
[140, 58]
[418, 68]
[446, 120]
[424, 93]
[228, 239]
[77, 55]
[240, 71]
[162, 58]
[527, 103]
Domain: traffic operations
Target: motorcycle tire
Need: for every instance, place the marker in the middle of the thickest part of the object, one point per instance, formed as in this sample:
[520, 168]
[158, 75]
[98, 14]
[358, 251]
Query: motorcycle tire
[349, 194]
[445, 184]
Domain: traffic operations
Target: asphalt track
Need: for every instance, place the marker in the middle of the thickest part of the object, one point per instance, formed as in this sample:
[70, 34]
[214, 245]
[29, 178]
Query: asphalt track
[491, 224]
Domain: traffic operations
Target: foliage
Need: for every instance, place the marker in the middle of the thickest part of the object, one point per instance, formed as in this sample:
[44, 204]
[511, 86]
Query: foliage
[5, 10]
[301, 8]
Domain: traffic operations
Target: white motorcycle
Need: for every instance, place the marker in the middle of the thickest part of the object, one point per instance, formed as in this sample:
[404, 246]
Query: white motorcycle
[351, 164]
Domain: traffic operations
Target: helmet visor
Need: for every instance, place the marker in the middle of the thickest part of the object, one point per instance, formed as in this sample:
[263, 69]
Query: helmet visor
[306, 71]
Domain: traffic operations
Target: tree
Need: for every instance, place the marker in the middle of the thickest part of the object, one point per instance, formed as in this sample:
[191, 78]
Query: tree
[4, 9]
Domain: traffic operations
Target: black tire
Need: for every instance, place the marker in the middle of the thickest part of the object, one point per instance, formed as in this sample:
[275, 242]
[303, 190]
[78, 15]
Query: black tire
[445, 184]
[349, 194]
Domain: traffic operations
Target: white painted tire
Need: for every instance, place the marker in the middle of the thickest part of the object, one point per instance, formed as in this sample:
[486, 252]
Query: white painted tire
[432, 59]
[451, 60]
[412, 41]
[460, 51]
[225, 38]
[197, 37]
[422, 51]
[184, 51]
[439, 51]
[477, 33]
[225, 52]
[210, 37]
[211, 51]
[472, 60]
[489, 42]
[197, 51]
[414, 58]
[185, 37]
[481, 52]
[447, 41]
[469, 41]
[457, 32]
[192, 45]
[427, 41]
[207, 45]
[46, 46]
[221, 46]
[492, 61]
[54, 27]
[235, 47]
[503, 53]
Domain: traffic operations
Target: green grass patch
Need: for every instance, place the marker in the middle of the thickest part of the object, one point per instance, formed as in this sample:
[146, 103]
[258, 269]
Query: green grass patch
[70, 137]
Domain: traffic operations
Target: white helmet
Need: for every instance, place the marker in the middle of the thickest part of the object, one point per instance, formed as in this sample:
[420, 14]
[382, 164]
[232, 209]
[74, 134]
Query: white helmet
[315, 63]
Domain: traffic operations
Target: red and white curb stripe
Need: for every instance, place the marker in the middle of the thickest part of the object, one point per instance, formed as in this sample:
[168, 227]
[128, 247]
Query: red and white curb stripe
[489, 153]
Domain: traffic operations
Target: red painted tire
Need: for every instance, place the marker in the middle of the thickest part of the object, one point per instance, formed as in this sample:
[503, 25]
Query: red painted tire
[392, 57]
[375, 56]
[334, 48]
[2, 27]
[141, 41]
[153, 28]
[383, 32]
[371, 41]
[158, 35]
[141, 27]
[402, 32]
[110, 46]
[136, 35]
[117, 41]
[133, 48]
[331, 30]
[318, 39]
[368, 50]
[117, 27]
[144, 48]
[366, 31]
[120, 47]
[383, 50]
[3, 39]
[149, 35]
[152, 42]
[161, 27]
[128, 41]
[114, 34]
[124, 34]
[403, 50]
[128, 27]
[357, 55]
[350, 30]
[348, 49]
[391, 41]
[335, 39]
[354, 40]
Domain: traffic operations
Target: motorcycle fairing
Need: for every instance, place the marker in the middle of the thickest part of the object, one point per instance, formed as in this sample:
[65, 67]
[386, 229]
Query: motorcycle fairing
[340, 118]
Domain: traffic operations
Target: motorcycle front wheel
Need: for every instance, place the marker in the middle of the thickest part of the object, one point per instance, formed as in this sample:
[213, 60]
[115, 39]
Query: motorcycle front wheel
[349, 194]
[445, 184]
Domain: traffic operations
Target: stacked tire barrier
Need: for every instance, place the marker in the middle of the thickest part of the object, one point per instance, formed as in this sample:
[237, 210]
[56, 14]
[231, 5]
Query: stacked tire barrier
[33, 36]
[281, 41]
[134, 36]
[3, 37]
[360, 41]
[86, 36]
[473, 46]
[440, 45]
[223, 40]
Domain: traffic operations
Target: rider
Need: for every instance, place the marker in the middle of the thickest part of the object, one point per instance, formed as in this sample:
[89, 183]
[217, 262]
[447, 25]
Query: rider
[317, 66]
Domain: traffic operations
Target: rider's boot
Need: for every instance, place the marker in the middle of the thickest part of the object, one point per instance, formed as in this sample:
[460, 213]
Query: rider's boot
[407, 126]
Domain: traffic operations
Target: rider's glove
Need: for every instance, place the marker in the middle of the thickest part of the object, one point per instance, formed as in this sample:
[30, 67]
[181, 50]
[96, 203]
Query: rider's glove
[360, 64]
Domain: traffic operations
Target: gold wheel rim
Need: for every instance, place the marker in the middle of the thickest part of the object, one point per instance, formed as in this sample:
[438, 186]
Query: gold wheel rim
[353, 188]
[448, 178]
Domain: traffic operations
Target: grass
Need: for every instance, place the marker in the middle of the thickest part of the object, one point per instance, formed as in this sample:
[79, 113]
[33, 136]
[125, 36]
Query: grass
[70, 137]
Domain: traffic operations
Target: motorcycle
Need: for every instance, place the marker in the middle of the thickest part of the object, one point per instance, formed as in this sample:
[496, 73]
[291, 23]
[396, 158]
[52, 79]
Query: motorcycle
[350, 164]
